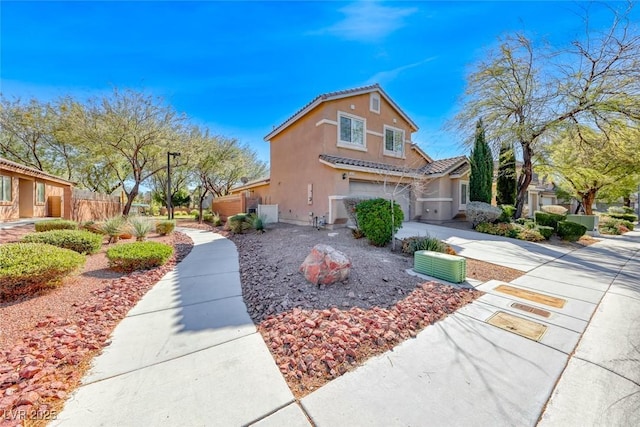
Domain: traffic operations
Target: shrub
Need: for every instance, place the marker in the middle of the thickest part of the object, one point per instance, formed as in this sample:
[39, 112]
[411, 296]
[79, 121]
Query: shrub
[26, 268]
[214, 218]
[357, 233]
[83, 242]
[627, 209]
[238, 223]
[548, 219]
[616, 210]
[614, 226]
[571, 231]
[479, 212]
[140, 227]
[165, 227]
[500, 229]
[530, 235]
[138, 256]
[523, 221]
[554, 209]
[545, 231]
[56, 224]
[508, 212]
[422, 243]
[92, 226]
[257, 222]
[113, 227]
[624, 216]
[374, 218]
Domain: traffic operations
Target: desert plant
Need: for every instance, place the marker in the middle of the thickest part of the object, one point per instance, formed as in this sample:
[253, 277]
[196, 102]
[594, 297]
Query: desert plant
[138, 256]
[624, 216]
[614, 226]
[478, 212]
[257, 222]
[571, 231]
[214, 218]
[548, 219]
[500, 229]
[26, 268]
[92, 226]
[375, 220]
[83, 242]
[423, 243]
[165, 226]
[56, 224]
[508, 211]
[113, 227]
[350, 204]
[238, 223]
[616, 210]
[554, 209]
[357, 233]
[140, 227]
[530, 235]
[546, 231]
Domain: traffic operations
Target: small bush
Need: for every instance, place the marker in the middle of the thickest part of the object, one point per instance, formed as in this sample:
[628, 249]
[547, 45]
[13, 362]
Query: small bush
[500, 229]
[508, 212]
[92, 226]
[545, 231]
[238, 223]
[56, 224]
[554, 209]
[113, 227]
[624, 216]
[530, 235]
[165, 227]
[614, 226]
[374, 218]
[479, 212]
[138, 256]
[26, 268]
[214, 218]
[627, 209]
[523, 220]
[83, 242]
[571, 231]
[549, 219]
[357, 233]
[257, 222]
[422, 243]
[140, 227]
[616, 210]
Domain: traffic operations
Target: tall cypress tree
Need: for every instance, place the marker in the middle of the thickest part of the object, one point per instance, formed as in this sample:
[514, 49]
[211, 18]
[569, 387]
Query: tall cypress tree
[481, 178]
[507, 180]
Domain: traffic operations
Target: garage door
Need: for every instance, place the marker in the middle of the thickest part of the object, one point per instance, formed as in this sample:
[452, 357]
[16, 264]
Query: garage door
[374, 190]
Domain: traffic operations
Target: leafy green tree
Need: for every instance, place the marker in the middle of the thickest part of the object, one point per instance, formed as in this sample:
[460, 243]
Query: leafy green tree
[481, 179]
[526, 91]
[506, 183]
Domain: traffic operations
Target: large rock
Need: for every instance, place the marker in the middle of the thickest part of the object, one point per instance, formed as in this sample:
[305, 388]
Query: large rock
[325, 265]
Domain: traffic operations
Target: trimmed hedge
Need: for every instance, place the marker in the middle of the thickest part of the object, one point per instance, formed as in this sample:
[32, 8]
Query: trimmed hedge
[238, 223]
[530, 235]
[554, 209]
[374, 219]
[165, 227]
[26, 268]
[56, 224]
[501, 229]
[571, 231]
[548, 219]
[83, 242]
[546, 231]
[129, 257]
[624, 216]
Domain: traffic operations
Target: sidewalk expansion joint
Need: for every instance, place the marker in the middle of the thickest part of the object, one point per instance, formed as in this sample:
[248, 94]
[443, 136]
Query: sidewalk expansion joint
[184, 305]
[268, 414]
[207, 274]
[607, 369]
[168, 360]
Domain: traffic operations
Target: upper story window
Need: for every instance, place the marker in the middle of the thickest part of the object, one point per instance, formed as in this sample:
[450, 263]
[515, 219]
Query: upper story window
[374, 102]
[393, 141]
[5, 188]
[351, 130]
[40, 193]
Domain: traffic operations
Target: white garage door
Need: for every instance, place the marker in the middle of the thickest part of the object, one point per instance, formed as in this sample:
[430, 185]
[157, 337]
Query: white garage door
[374, 190]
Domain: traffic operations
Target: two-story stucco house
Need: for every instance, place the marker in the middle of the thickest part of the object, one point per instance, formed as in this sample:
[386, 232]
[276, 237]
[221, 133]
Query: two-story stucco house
[356, 142]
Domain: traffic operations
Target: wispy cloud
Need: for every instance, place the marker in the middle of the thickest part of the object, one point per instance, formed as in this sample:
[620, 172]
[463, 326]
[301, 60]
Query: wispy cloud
[368, 21]
[383, 77]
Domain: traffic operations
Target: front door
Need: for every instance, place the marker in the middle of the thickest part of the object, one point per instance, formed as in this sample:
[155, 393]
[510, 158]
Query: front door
[464, 195]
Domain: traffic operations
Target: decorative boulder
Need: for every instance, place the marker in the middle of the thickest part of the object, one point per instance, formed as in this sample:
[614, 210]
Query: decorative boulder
[325, 265]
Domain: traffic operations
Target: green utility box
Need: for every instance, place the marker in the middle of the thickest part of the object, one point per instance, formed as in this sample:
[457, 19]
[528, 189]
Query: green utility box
[451, 268]
[589, 221]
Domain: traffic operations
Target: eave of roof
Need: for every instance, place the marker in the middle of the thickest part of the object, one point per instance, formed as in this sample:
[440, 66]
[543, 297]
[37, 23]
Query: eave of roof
[330, 96]
[438, 168]
[252, 184]
[19, 168]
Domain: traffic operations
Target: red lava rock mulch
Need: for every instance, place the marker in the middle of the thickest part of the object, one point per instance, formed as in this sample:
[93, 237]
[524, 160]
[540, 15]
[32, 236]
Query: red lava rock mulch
[312, 347]
[38, 371]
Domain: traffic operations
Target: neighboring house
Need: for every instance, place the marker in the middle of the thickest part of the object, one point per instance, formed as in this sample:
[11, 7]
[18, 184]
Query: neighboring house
[30, 193]
[539, 193]
[356, 143]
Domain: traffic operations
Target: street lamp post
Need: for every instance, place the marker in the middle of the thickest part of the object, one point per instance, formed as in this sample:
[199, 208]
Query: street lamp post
[169, 202]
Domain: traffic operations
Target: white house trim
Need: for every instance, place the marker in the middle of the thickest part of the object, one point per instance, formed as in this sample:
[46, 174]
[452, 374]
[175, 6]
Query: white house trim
[332, 200]
[392, 153]
[372, 132]
[434, 199]
[371, 170]
[327, 121]
[347, 144]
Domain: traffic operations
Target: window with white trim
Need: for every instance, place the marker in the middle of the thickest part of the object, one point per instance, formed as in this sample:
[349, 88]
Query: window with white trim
[374, 102]
[5, 188]
[393, 141]
[351, 130]
[40, 193]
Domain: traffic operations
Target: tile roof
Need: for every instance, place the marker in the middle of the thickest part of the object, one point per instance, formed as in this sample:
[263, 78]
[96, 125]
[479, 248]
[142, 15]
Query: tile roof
[335, 95]
[435, 168]
[460, 170]
[33, 171]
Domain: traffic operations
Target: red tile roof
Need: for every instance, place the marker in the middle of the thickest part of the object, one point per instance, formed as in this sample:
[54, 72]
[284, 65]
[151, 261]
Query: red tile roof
[437, 167]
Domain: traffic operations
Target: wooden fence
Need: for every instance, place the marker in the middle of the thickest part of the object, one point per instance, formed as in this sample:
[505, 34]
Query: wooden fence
[89, 206]
[232, 204]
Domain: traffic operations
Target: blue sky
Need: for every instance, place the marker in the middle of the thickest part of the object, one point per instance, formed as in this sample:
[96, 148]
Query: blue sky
[242, 67]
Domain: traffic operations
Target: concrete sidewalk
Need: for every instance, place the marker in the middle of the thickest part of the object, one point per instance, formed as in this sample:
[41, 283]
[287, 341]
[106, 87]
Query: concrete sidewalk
[464, 371]
[187, 354]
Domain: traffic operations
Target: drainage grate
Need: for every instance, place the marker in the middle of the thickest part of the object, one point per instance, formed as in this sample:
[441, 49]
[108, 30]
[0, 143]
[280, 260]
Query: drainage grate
[532, 296]
[518, 325]
[529, 309]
